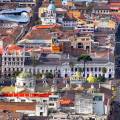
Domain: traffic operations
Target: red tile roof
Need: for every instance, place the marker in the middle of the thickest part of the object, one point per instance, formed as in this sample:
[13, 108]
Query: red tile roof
[14, 106]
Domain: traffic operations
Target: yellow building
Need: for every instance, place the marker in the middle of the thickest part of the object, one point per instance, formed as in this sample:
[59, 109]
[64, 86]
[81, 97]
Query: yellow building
[83, 42]
[70, 4]
[42, 10]
[105, 23]
[74, 13]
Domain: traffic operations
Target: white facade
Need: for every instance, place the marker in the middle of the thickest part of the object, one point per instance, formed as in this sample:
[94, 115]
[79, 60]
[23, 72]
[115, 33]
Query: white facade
[23, 83]
[41, 109]
[69, 23]
[102, 11]
[84, 104]
[52, 101]
[16, 62]
[83, 28]
[98, 103]
[50, 15]
[5, 1]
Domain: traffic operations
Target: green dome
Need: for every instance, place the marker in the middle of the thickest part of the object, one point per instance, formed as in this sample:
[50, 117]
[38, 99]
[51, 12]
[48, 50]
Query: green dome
[91, 79]
[51, 7]
[24, 75]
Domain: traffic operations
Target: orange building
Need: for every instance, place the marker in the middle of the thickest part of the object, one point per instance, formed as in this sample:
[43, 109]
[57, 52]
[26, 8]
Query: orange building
[74, 13]
[65, 101]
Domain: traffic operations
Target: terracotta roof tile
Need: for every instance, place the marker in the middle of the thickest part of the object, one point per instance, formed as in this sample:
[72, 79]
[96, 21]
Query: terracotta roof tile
[13, 106]
[39, 34]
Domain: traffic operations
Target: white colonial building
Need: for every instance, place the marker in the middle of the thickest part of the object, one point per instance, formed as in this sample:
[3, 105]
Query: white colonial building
[23, 61]
[25, 81]
[49, 17]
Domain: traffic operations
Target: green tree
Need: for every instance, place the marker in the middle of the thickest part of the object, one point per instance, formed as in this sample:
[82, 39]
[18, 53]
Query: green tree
[89, 8]
[34, 61]
[101, 79]
[80, 70]
[84, 58]
[48, 75]
[16, 73]
[38, 76]
[71, 64]
[104, 70]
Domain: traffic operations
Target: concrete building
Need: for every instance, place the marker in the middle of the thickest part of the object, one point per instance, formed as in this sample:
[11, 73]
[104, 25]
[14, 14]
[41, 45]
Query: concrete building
[84, 104]
[98, 103]
[23, 61]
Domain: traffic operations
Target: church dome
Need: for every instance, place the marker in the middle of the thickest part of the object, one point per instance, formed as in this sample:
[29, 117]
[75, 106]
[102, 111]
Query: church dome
[51, 7]
[24, 75]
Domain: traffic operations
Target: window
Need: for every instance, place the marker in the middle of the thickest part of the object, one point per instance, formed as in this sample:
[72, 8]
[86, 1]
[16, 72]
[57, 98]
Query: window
[87, 39]
[80, 45]
[44, 100]
[99, 75]
[41, 113]
[24, 84]
[72, 69]
[95, 75]
[42, 71]
[17, 59]
[91, 69]
[33, 100]
[30, 84]
[97, 98]
[13, 59]
[75, 69]
[51, 104]
[87, 69]
[110, 75]
[66, 75]
[95, 69]
[99, 69]
[23, 100]
[12, 100]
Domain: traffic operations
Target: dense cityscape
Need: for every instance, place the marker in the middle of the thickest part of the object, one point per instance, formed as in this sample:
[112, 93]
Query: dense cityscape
[59, 60]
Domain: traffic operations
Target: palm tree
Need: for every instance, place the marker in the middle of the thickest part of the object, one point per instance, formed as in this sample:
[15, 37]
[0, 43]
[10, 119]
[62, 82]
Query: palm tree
[84, 58]
[71, 64]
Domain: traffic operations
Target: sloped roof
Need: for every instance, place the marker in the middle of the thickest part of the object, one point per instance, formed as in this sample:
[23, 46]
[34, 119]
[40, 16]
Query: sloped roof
[14, 106]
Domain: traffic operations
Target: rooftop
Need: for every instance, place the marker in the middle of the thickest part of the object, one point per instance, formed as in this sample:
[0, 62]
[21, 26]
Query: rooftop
[14, 106]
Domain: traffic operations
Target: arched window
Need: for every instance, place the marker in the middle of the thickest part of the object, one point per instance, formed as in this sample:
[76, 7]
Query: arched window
[80, 45]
